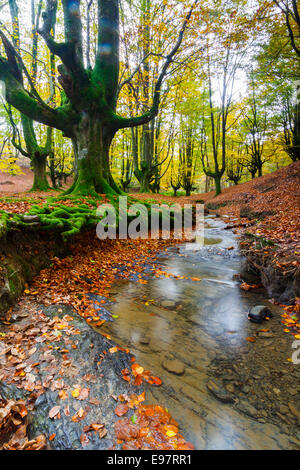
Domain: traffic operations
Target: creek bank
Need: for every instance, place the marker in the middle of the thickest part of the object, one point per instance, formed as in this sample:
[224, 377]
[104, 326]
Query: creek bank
[281, 284]
[22, 256]
[61, 353]
[262, 384]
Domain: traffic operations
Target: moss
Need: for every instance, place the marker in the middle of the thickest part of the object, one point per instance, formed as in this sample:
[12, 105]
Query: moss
[4, 217]
[26, 268]
[67, 220]
[13, 280]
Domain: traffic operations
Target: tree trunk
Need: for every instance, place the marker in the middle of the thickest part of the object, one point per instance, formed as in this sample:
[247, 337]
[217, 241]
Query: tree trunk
[144, 182]
[94, 139]
[217, 179]
[40, 182]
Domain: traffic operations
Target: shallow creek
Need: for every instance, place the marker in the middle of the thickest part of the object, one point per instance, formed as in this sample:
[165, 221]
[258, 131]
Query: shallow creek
[190, 332]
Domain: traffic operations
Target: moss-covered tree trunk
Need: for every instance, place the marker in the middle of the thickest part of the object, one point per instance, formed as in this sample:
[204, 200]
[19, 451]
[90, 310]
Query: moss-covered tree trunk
[39, 165]
[37, 154]
[93, 143]
[34, 151]
[217, 179]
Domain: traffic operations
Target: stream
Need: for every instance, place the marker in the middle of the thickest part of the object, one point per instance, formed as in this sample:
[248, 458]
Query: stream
[229, 383]
[193, 335]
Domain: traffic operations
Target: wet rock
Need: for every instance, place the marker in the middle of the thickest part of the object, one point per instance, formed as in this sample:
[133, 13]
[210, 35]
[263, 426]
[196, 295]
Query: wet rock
[283, 409]
[168, 304]
[174, 366]
[144, 340]
[230, 388]
[265, 334]
[295, 411]
[295, 441]
[247, 408]
[217, 389]
[259, 313]
[105, 380]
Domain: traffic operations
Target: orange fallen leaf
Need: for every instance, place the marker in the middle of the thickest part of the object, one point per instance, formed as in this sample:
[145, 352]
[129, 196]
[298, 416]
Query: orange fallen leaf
[250, 339]
[54, 412]
[121, 409]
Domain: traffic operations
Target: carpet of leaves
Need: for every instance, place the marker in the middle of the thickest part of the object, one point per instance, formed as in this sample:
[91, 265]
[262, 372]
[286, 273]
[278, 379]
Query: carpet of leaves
[151, 427]
[91, 267]
[13, 427]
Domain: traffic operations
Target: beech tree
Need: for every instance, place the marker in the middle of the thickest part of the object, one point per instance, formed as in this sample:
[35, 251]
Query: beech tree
[291, 11]
[88, 110]
[35, 151]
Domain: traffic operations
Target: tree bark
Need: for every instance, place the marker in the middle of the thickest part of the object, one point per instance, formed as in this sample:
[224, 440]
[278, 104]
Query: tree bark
[93, 144]
[40, 182]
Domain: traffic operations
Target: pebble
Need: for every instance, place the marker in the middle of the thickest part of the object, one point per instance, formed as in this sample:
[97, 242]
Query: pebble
[283, 409]
[174, 366]
[264, 334]
[294, 410]
[145, 340]
[248, 409]
[230, 388]
[219, 392]
[168, 304]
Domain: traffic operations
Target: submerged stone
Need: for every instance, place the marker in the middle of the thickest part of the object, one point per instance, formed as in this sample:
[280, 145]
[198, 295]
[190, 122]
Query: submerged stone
[259, 313]
[174, 366]
[168, 304]
[219, 392]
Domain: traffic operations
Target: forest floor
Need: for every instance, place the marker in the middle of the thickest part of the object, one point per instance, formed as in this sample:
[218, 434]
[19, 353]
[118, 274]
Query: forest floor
[268, 209]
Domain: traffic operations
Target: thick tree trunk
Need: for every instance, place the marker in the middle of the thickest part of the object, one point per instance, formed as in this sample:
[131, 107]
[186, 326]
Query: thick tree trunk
[93, 144]
[145, 183]
[40, 182]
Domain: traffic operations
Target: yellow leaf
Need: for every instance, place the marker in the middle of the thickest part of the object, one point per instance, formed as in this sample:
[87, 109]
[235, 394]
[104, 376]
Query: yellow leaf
[113, 350]
[76, 393]
[171, 433]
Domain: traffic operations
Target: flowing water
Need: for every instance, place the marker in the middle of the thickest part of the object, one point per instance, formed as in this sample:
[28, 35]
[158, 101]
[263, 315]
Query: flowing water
[180, 329]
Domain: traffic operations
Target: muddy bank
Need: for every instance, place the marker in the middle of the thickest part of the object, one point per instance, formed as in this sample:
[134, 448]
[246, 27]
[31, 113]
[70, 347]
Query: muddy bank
[264, 264]
[62, 355]
[22, 256]
[283, 286]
